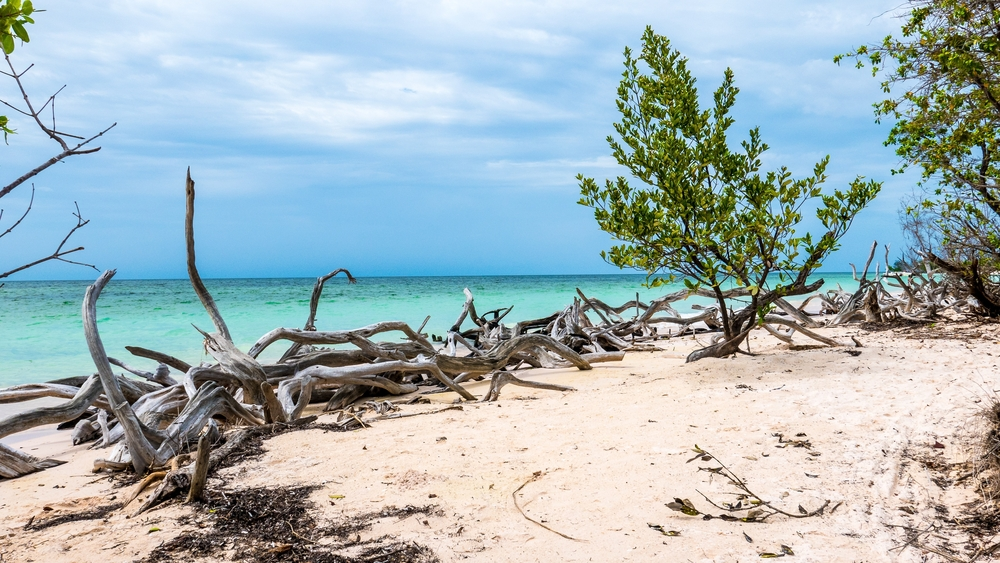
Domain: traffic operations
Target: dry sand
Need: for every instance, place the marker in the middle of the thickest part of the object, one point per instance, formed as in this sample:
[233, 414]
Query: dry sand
[611, 455]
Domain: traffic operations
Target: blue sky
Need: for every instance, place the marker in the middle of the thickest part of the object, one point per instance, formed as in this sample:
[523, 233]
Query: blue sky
[403, 138]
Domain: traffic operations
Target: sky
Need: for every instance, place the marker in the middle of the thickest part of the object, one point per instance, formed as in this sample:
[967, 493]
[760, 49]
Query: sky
[402, 137]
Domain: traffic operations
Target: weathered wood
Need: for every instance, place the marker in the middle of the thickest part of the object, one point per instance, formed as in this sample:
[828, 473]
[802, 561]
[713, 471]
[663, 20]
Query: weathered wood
[199, 287]
[365, 374]
[721, 349]
[179, 365]
[319, 338]
[160, 376]
[142, 452]
[148, 446]
[242, 367]
[15, 463]
[502, 378]
[272, 407]
[499, 356]
[200, 474]
[796, 314]
[317, 293]
[83, 398]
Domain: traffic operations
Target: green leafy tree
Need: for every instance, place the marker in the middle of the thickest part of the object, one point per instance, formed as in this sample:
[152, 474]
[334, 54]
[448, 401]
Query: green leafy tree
[941, 79]
[14, 15]
[703, 211]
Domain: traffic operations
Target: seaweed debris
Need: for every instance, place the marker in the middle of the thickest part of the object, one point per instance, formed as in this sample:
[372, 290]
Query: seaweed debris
[272, 524]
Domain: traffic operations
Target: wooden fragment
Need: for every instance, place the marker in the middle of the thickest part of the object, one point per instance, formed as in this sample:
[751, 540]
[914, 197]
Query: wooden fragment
[200, 475]
[337, 337]
[142, 452]
[774, 319]
[15, 463]
[502, 378]
[80, 402]
[160, 376]
[179, 365]
[317, 293]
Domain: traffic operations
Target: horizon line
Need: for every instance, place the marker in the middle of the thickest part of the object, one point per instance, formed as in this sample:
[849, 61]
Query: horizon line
[375, 277]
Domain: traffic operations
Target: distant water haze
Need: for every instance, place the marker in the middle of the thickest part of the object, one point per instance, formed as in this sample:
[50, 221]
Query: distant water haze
[42, 332]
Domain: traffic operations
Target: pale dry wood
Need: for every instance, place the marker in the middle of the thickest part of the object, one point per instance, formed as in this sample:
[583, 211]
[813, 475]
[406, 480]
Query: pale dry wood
[160, 376]
[179, 365]
[320, 338]
[502, 378]
[15, 463]
[80, 401]
[200, 475]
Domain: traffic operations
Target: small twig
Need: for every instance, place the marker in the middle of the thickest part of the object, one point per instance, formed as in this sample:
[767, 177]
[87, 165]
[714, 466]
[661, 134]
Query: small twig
[352, 415]
[296, 534]
[409, 414]
[26, 211]
[536, 476]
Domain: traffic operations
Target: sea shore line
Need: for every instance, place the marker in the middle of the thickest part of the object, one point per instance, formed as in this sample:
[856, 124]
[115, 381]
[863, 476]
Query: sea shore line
[885, 430]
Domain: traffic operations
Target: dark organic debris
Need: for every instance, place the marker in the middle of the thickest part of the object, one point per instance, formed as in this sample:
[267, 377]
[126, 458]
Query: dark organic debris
[274, 524]
[98, 512]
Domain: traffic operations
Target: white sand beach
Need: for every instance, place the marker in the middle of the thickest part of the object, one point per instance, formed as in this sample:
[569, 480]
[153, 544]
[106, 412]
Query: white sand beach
[889, 430]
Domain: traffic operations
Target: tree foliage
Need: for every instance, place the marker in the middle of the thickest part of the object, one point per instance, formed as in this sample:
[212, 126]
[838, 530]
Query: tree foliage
[700, 209]
[941, 80]
[14, 15]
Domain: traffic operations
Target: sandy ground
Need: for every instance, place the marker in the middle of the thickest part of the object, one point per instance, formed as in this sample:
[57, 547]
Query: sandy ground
[611, 454]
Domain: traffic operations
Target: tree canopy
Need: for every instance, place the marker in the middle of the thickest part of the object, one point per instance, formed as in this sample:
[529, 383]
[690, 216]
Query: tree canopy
[941, 84]
[702, 210]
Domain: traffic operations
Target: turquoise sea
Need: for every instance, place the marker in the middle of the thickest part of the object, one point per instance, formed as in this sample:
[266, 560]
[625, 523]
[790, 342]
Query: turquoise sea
[41, 332]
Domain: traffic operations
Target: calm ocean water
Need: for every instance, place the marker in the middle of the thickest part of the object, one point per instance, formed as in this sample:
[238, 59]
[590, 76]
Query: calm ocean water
[41, 332]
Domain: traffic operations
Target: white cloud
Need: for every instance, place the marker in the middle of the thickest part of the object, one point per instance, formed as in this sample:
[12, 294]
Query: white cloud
[306, 98]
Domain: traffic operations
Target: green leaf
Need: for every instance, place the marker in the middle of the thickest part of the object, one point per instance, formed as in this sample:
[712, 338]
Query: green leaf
[19, 30]
[7, 41]
[683, 505]
[660, 529]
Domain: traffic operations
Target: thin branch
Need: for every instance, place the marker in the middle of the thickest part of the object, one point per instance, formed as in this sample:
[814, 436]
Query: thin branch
[26, 211]
[65, 154]
[59, 253]
[534, 477]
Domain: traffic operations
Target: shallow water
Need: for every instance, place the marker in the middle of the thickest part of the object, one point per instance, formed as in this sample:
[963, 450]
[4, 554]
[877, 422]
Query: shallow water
[41, 331]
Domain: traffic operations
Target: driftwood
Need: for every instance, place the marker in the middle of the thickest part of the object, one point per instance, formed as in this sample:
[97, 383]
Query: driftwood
[200, 474]
[79, 402]
[502, 378]
[14, 463]
[149, 422]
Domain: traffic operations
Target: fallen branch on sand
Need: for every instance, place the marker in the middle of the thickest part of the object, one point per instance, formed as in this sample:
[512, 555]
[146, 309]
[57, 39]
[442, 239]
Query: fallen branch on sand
[534, 477]
[755, 508]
